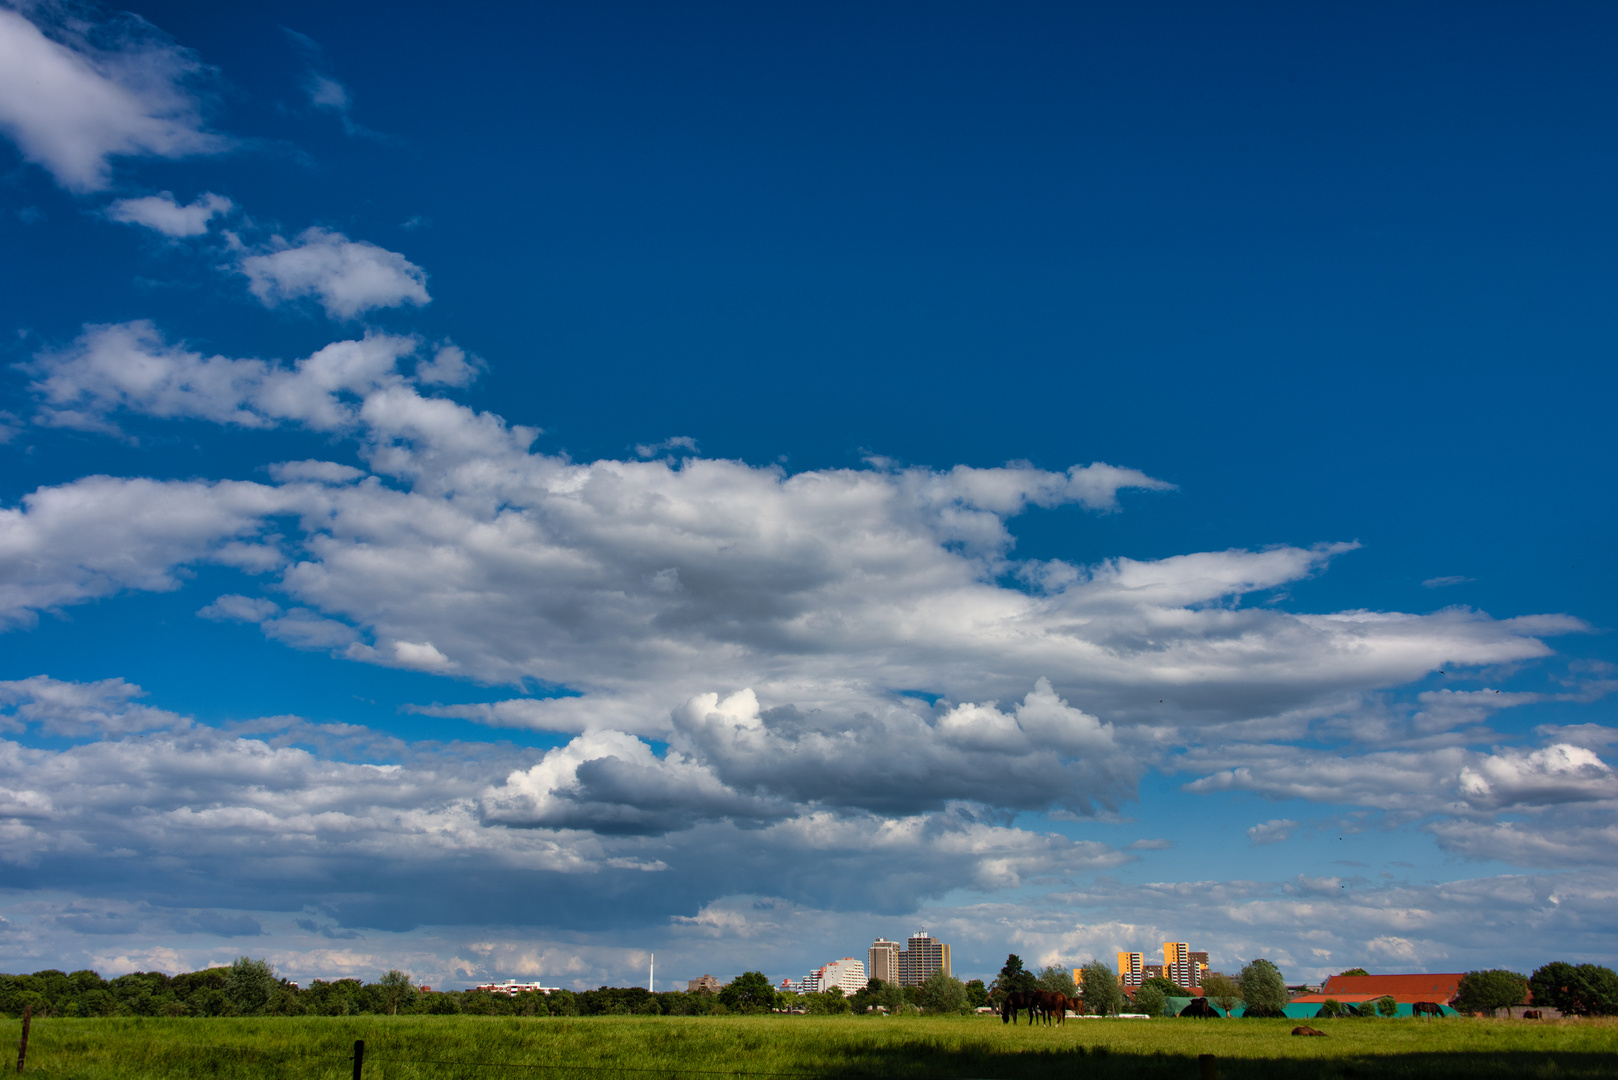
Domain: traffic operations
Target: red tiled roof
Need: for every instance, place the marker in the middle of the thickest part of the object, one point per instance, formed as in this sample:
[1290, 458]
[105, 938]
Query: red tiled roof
[1440, 988]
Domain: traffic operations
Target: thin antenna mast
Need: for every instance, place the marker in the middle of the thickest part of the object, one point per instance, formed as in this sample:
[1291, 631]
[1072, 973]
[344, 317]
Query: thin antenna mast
[651, 972]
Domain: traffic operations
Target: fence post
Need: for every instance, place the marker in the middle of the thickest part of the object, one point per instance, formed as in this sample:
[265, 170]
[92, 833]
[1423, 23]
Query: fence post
[1209, 1066]
[22, 1044]
[359, 1057]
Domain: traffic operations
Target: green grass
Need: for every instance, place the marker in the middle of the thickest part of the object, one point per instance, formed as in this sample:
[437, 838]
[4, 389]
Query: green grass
[664, 1048]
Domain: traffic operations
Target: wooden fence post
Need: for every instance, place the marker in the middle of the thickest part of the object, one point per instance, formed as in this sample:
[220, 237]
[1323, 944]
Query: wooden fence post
[1209, 1066]
[22, 1044]
[359, 1057]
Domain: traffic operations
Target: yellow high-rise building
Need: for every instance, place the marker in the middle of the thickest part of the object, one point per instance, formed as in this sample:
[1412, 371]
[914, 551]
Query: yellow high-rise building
[1131, 968]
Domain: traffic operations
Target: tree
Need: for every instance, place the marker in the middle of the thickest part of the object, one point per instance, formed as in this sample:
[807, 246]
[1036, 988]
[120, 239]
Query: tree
[249, 985]
[1100, 990]
[977, 995]
[1222, 990]
[1263, 989]
[748, 992]
[1013, 978]
[1150, 999]
[1058, 980]
[1386, 1006]
[1491, 990]
[826, 1003]
[1329, 1008]
[1169, 987]
[391, 990]
[1576, 990]
[943, 994]
[1352, 972]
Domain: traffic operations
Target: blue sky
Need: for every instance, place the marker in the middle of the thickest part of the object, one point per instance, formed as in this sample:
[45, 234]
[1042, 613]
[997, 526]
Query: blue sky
[497, 493]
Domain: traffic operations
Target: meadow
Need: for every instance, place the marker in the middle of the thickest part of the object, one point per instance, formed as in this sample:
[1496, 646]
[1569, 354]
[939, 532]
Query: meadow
[908, 1048]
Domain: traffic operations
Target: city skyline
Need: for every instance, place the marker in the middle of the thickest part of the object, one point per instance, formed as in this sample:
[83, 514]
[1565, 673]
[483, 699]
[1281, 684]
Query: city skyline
[502, 494]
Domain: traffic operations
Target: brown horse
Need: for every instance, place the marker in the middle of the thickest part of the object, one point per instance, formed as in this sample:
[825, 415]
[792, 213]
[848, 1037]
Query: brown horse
[1426, 1008]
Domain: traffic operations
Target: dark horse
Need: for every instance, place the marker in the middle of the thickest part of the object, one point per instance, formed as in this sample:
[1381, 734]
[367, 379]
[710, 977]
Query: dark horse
[1015, 1001]
[1200, 1008]
[1426, 1008]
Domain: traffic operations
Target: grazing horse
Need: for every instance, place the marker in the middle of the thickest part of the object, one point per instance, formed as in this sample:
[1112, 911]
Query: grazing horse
[1426, 1008]
[1305, 1029]
[1200, 1008]
[1016, 1001]
[1052, 1005]
[1533, 1014]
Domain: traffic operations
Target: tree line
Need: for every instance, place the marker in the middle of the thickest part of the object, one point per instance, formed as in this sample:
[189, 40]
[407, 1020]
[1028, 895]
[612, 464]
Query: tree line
[251, 987]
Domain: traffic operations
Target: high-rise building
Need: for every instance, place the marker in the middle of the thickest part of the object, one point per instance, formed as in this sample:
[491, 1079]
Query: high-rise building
[1178, 967]
[707, 983]
[1131, 970]
[847, 974]
[1199, 966]
[922, 958]
[884, 960]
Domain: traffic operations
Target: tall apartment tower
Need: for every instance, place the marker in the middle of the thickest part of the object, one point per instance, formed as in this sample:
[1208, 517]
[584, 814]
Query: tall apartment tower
[1131, 969]
[923, 958]
[1178, 967]
[884, 960]
[1199, 966]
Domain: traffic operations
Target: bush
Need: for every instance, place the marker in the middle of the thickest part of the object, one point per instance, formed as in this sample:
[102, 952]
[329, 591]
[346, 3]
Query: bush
[1387, 1006]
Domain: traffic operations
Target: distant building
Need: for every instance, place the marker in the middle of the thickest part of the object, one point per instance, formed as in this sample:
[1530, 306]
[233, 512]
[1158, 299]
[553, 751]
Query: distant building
[1178, 967]
[707, 982]
[512, 989]
[1152, 971]
[789, 986]
[922, 958]
[1199, 967]
[1131, 972]
[847, 974]
[884, 960]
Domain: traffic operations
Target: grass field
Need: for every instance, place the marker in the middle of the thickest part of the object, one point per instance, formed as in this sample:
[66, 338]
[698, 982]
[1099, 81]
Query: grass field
[649, 1048]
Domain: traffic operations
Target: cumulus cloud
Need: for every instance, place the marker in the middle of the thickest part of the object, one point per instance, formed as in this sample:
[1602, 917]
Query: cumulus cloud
[1274, 831]
[71, 98]
[162, 213]
[348, 277]
[450, 366]
[1554, 774]
[129, 367]
[97, 536]
[75, 710]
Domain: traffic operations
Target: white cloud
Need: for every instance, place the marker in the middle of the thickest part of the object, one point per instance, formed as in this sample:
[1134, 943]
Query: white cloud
[99, 535]
[348, 277]
[1554, 774]
[163, 213]
[70, 105]
[129, 367]
[1274, 831]
[79, 709]
[450, 366]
